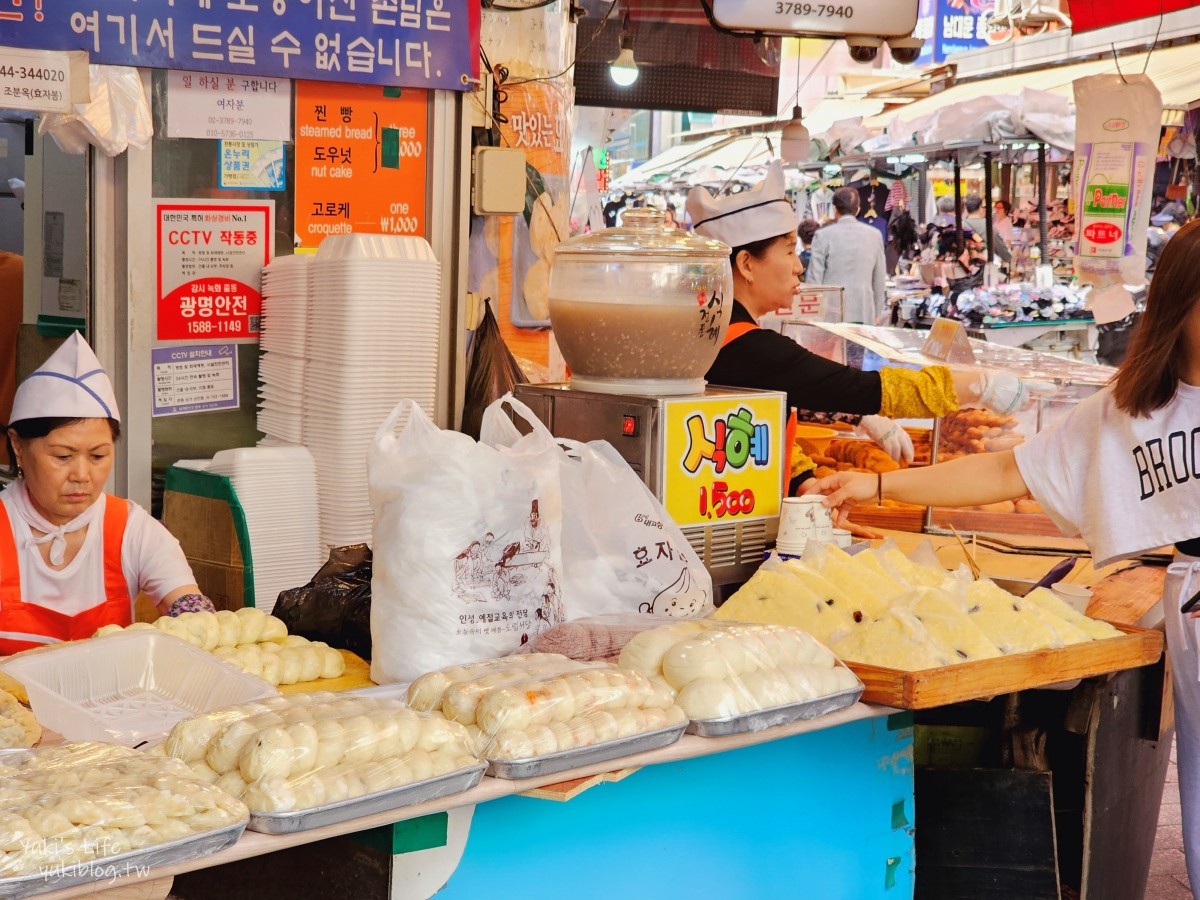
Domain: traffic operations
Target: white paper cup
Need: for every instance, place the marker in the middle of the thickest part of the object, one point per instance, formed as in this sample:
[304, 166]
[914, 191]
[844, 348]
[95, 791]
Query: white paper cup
[842, 538]
[1074, 595]
[802, 519]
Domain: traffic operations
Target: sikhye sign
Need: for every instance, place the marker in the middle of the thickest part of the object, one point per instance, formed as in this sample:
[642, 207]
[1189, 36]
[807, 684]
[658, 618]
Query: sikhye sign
[884, 18]
[410, 43]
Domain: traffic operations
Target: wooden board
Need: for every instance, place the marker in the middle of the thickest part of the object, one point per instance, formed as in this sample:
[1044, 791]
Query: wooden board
[989, 677]
[912, 518]
[357, 675]
[572, 788]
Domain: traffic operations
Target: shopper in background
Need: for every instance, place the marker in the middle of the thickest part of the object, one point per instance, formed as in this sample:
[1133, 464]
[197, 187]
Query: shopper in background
[1002, 223]
[72, 558]
[1119, 470]
[1163, 224]
[805, 232]
[975, 220]
[945, 212]
[760, 226]
[849, 254]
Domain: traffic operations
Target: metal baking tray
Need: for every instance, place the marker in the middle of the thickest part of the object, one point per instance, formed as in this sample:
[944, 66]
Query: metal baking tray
[777, 715]
[536, 766]
[368, 804]
[109, 867]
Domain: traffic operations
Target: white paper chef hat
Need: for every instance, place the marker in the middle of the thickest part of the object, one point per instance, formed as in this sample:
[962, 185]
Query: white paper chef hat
[71, 384]
[739, 219]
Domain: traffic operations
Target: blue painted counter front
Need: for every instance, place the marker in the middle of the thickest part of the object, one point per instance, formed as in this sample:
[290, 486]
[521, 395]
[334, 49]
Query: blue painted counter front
[825, 815]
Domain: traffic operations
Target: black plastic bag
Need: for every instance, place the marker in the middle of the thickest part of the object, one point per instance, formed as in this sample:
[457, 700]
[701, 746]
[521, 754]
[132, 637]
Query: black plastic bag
[335, 607]
[491, 373]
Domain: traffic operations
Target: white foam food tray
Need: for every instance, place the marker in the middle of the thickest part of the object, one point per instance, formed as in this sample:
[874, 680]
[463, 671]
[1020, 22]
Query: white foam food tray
[128, 688]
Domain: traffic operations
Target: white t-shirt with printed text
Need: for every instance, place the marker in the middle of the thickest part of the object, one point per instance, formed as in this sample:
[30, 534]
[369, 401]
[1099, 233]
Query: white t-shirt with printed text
[1125, 485]
[151, 560]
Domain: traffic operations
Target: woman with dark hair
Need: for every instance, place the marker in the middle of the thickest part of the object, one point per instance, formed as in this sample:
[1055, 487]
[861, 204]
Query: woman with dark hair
[760, 226]
[1122, 470]
[806, 232]
[72, 558]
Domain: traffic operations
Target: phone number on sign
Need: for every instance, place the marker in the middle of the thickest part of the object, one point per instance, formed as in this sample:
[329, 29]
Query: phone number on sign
[220, 326]
[719, 501]
[27, 74]
[820, 10]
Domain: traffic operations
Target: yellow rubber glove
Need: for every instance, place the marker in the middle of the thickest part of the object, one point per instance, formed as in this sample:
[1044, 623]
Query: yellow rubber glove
[923, 394]
[801, 462]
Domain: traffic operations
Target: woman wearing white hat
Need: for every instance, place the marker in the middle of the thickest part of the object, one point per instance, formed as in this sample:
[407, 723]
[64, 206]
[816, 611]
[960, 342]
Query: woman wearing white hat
[73, 558]
[760, 226]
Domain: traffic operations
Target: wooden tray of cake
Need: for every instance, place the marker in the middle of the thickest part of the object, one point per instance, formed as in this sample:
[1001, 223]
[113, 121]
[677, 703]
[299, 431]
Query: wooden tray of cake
[912, 518]
[986, 678]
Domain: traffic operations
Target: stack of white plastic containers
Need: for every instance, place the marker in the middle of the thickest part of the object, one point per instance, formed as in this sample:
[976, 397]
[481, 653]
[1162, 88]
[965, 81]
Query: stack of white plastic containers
[347, 334]
[277, 489]
[374, 323]
[283, 342]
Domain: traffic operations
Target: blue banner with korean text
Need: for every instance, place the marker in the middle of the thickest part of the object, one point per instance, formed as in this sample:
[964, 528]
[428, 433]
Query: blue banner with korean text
[406, 43]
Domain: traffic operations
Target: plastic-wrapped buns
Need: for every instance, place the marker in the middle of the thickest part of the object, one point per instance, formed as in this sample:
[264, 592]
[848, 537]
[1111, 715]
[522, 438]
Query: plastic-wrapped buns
[729, 669]
[531, 706]
[300, 752]
[79, 802]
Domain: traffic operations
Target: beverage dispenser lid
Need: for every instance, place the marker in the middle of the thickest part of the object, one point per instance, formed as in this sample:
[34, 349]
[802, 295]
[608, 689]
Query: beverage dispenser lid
[644, 232]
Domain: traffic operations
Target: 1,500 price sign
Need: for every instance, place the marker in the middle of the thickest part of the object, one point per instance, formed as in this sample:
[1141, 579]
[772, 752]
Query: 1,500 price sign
[723, 458]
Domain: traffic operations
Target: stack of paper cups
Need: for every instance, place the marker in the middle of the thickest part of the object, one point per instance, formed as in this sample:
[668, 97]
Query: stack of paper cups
[802, 519]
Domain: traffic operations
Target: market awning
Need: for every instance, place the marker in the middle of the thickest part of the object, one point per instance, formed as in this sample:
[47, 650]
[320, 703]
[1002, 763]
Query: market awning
[1173, 70]
[669, 161]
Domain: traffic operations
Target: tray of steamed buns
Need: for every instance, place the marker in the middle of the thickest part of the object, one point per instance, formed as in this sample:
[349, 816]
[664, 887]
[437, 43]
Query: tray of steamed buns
[81, 812]
[731, 678]
[307, 760]
[542, 713]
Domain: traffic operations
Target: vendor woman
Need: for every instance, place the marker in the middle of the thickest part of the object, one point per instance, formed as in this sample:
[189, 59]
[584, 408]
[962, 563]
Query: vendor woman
[761, 228]
[73, 558]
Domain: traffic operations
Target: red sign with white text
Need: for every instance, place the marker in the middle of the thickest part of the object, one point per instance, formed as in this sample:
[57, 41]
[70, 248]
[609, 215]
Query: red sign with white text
[209, 268]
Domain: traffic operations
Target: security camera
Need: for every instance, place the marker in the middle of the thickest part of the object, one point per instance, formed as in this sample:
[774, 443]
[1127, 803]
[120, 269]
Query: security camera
[863, 47]
[905, 50]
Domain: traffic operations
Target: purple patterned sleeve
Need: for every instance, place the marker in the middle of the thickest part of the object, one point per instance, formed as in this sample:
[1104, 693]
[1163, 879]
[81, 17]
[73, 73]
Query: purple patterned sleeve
[191, 603]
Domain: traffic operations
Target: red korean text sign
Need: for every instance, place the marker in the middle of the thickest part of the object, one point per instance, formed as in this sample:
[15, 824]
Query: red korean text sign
[210, 256]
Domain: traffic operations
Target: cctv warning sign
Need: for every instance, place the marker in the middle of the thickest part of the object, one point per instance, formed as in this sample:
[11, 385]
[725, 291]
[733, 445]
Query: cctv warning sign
[209, 268]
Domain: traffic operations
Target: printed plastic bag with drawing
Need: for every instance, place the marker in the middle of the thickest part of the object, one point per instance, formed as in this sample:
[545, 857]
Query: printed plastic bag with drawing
[621, 552]
[467, 544]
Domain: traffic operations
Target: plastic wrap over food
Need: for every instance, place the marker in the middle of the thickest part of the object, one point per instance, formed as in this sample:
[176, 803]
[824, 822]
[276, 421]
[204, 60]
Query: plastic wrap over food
[76, 804]
[310, 750]
[727, 669]
[594, 638]
[524, 707]
[252, 641]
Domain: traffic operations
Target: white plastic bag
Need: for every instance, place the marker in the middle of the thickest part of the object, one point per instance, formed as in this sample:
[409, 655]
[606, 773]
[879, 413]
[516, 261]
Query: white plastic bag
[117, 115]
[621, 552]
[467, 544]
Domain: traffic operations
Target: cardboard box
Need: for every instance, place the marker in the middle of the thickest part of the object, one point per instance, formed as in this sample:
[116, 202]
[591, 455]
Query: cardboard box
[202, 511]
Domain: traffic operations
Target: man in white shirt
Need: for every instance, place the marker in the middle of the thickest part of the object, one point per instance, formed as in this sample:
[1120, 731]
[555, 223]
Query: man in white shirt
[849, 254]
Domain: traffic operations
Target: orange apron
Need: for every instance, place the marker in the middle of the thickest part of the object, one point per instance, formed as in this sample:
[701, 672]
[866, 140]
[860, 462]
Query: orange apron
[24, 625]
[736, 330]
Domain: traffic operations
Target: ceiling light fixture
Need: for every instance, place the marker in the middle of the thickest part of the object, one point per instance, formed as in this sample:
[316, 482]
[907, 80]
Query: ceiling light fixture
[795, 141]
[624, 69]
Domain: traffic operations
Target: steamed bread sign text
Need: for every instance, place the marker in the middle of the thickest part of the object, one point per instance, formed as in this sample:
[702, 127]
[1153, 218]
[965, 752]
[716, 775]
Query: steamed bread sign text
[722, 459]
[361, 161]
[210, 259]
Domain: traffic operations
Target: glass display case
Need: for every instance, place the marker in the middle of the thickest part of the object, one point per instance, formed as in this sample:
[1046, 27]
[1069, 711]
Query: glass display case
[966, 432]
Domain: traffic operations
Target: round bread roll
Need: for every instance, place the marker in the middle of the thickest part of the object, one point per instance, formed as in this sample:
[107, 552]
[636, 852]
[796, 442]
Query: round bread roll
[273, 630]
[708, 698]
[511, 743]
[333, 664]
[331, 743]
[232, 783]
[310, 663]
[251, 622]
[360, 740]
[426, 692]
[691, 659]
[269, 753]
[225, 748]
[304, 748]
[229, 628]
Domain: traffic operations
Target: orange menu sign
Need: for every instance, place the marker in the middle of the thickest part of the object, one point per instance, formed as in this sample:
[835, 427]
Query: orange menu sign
[362, 160]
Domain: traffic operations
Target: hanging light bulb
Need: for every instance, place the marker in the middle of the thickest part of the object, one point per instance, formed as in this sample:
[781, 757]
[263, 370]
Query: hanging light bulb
[795, 141]
[624, 69]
